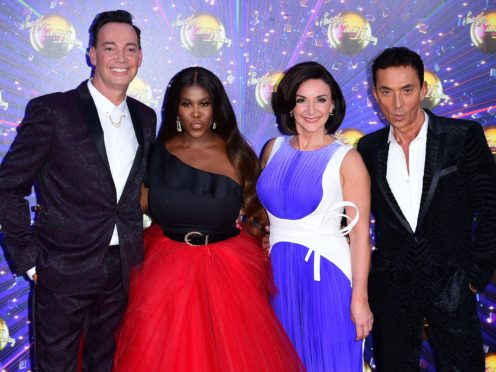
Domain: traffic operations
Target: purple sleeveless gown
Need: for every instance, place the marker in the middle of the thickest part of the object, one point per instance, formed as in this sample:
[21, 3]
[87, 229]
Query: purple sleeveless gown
[298, 189]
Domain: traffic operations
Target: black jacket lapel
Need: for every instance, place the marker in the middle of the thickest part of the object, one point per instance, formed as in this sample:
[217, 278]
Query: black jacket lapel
[381, 172]
[138, 130]
[434, 156]
[90, 115]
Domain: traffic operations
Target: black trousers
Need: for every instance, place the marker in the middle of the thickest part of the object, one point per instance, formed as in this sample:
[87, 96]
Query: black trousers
[453, 327]
[94, 313]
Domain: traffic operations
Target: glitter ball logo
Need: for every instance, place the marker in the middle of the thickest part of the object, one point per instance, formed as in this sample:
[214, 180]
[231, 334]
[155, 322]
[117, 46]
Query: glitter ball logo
[348, 32]
[3, 104]
[202, 34]
[52, 36]
[490, 362]
[482, 30]
[141, 90]
[265, 86]
[434, 90]
[349, 136]
[5, 338]
[490, 133]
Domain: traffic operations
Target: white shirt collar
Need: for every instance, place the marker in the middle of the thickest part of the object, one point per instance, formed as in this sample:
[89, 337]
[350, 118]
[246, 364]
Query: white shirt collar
[103, 104]
[421, 135]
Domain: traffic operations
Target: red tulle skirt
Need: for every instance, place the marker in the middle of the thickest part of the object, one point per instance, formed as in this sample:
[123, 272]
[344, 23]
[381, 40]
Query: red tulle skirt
[202, 308]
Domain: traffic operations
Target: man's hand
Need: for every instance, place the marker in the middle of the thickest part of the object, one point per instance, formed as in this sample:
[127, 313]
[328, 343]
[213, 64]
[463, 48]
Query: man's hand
[35, 278]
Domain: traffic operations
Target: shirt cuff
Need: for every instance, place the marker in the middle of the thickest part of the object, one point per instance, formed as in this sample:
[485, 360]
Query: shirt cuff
[31, 272]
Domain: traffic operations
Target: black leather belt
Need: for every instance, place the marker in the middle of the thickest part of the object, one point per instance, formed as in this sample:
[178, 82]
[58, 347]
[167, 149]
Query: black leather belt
[199, 238]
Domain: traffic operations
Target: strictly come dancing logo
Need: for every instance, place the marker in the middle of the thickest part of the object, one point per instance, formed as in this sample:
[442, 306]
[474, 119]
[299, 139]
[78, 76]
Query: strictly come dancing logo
[5, 338]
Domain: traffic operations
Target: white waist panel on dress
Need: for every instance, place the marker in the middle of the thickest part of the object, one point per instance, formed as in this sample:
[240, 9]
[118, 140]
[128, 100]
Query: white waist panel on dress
[321, 234]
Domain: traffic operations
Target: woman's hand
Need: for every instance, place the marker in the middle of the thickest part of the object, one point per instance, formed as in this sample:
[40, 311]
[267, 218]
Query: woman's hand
[362, 317]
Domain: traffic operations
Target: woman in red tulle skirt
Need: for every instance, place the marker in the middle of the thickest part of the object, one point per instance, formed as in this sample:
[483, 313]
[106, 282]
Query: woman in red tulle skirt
[200, 299]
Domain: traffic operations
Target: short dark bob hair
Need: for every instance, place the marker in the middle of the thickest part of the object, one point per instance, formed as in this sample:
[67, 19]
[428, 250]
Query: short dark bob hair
[284, 98]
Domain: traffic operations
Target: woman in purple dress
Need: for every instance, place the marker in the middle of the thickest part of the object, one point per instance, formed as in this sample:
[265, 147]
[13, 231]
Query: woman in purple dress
[312, 181]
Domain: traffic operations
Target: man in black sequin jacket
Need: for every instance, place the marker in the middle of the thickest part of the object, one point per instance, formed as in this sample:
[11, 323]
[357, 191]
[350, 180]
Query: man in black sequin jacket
[434, 203]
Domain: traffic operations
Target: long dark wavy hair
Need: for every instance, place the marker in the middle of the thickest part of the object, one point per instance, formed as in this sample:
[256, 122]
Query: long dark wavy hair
[239, 152]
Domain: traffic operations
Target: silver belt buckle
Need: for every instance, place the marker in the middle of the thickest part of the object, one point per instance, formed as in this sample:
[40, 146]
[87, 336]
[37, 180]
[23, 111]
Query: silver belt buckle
[192, 234]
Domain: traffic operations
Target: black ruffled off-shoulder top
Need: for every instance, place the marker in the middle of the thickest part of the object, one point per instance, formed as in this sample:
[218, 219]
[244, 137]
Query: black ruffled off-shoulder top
[183, 199]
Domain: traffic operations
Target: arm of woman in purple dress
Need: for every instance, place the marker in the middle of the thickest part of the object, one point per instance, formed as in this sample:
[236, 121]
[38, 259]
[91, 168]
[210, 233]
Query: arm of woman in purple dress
[266, 151]
[356, 188]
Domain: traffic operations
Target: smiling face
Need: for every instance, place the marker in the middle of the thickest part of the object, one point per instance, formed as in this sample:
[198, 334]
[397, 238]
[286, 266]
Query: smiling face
[116, 58]
[313, 105]
[399, 93]
[195, 111]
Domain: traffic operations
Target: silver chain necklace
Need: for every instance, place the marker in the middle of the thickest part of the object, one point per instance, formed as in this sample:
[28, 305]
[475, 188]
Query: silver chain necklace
[117, 123]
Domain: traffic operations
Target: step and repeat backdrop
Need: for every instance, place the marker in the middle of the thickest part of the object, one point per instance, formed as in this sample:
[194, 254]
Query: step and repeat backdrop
[249, 44]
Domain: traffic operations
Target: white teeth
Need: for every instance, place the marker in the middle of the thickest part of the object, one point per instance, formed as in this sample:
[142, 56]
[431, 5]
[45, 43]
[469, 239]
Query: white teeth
[119, 69]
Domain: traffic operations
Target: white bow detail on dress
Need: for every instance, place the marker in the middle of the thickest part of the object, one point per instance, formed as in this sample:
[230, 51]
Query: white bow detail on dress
[326, 225]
